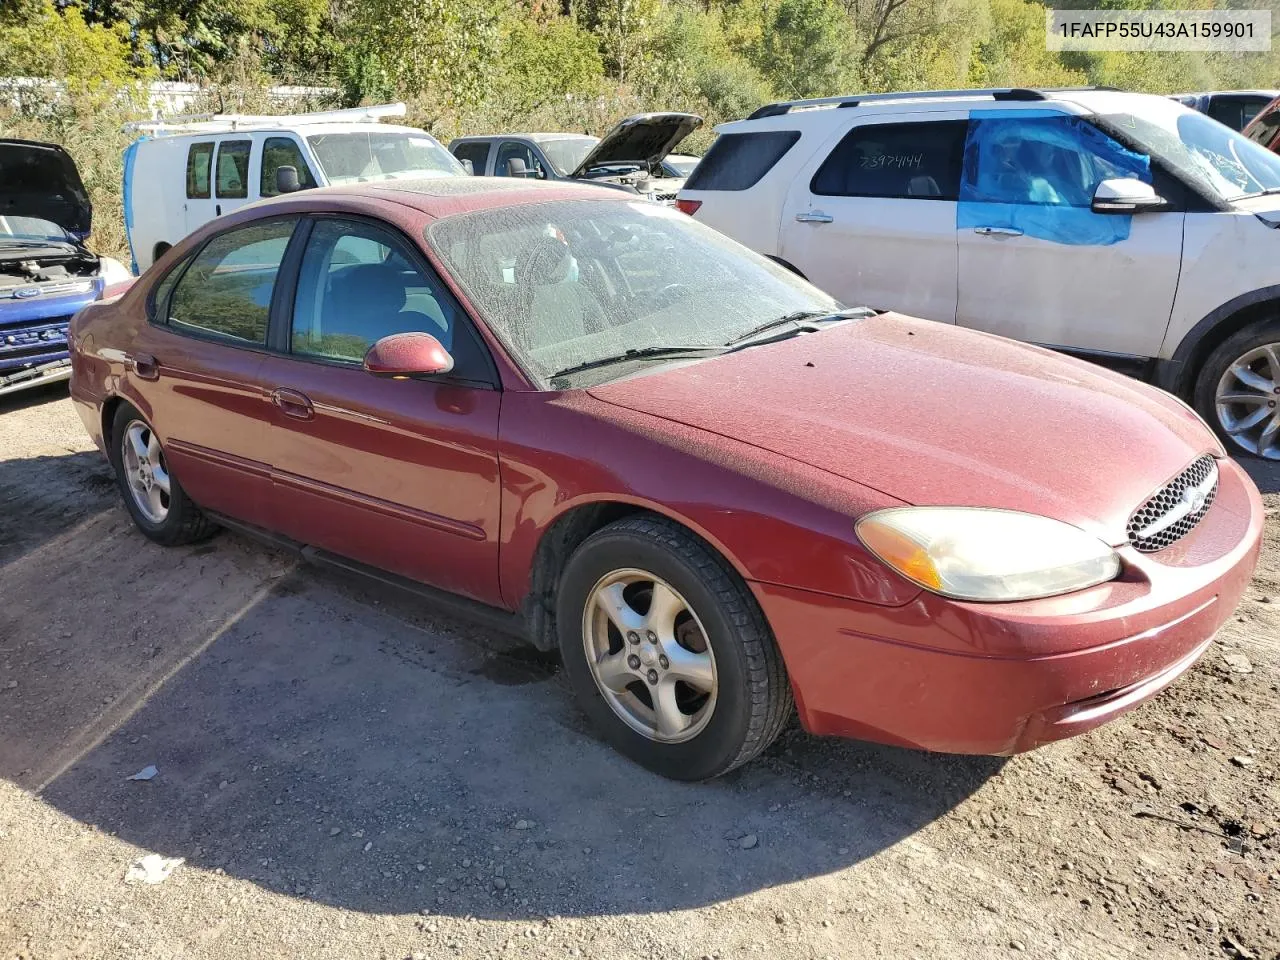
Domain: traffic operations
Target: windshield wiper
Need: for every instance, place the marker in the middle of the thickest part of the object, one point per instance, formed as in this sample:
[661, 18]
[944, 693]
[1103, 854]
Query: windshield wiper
[639, 353]
[25, 244]
[798, 317]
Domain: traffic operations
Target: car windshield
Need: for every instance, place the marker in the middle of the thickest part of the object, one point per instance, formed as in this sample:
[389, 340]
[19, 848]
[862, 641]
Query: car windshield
[573, 281]
[30, 228]
[381, 155]
[566, 153]
[1216, 158]
[680, 166]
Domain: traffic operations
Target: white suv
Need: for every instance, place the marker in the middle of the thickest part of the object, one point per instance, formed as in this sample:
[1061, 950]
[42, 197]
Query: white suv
[1121, 227]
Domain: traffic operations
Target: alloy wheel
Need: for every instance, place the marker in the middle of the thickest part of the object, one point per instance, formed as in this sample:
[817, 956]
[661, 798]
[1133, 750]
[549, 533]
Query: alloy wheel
[145, 471]
[1247, 401]
[649, 655]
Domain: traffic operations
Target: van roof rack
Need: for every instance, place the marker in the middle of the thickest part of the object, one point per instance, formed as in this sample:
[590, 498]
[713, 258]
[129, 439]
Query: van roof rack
[853, 100]
[218, 122]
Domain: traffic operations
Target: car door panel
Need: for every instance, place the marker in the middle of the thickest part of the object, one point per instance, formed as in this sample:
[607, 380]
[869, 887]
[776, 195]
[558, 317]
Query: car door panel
[864, 247]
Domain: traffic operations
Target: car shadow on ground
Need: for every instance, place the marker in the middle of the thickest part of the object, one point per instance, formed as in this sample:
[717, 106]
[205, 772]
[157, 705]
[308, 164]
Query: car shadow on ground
[334, 741]
[1265, 473]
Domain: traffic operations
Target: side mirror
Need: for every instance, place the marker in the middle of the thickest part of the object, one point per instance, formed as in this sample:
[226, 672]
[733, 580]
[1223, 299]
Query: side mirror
[287, 180]
[407, 355]
[516, 167]
[1125, 196]
[468, 166]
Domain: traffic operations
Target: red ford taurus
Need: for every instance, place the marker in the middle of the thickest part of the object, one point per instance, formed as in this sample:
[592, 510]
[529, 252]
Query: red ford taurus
[710, 485]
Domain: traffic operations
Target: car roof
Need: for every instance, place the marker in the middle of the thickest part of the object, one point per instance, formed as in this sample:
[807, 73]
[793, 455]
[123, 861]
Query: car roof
[285, 126]
[535, 137]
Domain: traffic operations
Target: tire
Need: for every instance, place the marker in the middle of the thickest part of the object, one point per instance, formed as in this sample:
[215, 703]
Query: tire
[1250, 424]
[749, 698]
[173, 520]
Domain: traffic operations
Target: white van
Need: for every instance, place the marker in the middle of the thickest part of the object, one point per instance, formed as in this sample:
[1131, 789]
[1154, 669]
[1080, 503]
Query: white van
[180, 174]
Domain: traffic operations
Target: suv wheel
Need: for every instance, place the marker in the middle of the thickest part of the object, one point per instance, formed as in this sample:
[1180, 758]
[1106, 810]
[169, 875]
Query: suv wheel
[1238, 390]
[668, 652]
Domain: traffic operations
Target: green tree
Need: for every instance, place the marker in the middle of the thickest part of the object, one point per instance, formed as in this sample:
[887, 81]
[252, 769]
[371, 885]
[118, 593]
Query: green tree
[38, 40]
[541, 62]
[806, 48]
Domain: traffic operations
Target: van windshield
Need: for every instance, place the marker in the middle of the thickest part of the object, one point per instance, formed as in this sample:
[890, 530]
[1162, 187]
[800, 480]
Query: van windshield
[381, 155]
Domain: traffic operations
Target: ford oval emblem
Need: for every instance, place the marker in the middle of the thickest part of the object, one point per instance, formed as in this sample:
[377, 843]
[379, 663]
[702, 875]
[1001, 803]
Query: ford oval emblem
[26, 293]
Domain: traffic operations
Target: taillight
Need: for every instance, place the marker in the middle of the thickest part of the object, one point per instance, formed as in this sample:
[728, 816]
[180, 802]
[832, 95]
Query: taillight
[688, 206]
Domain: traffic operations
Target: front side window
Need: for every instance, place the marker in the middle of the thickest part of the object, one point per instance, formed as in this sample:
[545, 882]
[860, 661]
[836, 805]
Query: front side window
[226, 292]
[511, 150]
[477, 151]
[358, 283]
[919, 161]
[233, 169]
[567, 282]
[199, 165]
[280, 152]
[381, 155]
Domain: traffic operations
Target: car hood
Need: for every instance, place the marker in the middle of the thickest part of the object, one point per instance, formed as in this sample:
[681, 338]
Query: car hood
[645, 138]
[41, 180]
[932, 414]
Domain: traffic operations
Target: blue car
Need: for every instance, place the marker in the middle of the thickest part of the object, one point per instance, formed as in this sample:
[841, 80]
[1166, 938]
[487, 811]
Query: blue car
[46, 272]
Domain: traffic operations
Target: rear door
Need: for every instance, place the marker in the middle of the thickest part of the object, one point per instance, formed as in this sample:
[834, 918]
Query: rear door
[400, 474]
[197, 364]
[875, 223]
[231, 175]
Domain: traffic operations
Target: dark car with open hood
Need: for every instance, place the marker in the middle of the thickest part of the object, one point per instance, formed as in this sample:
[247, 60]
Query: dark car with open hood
[634, 156]
[720, 494]
[46, 271]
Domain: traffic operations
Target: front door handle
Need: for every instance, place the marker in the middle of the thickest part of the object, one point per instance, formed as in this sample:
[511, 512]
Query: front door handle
[293, 404]
[814, 216]
[144, 366]
[997, 231]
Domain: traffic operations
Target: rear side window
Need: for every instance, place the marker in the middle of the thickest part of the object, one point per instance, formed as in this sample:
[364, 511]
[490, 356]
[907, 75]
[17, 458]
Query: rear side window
[737, 161]
[1236, 111]
[280, 152]
[199, 163]
[475, 151]
[233, 169]
[916, 161]
[226, 292]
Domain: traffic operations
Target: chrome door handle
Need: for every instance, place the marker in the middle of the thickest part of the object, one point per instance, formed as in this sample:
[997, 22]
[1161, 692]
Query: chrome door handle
[292, 403]
[997, 231]
[814, 216]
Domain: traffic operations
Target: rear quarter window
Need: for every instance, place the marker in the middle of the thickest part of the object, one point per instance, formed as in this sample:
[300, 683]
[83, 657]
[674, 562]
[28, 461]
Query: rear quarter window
[737, 161]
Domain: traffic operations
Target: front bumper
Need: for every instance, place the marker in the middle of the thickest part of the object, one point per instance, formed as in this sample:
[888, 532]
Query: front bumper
[1003, 678]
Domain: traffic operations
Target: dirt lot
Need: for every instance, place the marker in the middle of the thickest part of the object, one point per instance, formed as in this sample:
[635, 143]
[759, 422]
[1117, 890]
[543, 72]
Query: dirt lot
[347, 774]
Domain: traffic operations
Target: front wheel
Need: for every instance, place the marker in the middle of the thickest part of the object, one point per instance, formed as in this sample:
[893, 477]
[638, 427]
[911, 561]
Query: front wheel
[668, 652]
[1238, 390]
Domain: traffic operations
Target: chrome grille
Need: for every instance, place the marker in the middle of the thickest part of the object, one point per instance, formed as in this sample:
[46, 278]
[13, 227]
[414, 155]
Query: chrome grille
[1176, 507]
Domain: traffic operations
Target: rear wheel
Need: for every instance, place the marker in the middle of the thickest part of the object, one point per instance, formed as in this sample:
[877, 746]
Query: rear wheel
[1238, 390]
[668, 652]
[159, 506]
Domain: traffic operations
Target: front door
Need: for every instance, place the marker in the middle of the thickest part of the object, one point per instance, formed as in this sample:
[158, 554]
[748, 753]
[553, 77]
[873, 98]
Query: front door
[875, 224]
[197, 210]
[197, 369]
[1037, 264]
[231, 175]
[398, 474]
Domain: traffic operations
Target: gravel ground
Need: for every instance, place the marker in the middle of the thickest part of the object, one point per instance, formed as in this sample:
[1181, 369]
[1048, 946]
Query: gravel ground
[346, 774]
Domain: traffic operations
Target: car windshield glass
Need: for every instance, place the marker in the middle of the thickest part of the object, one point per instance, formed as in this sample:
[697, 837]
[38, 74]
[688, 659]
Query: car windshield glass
[681, 166]
[30, 228]
[381, 155]
[1216, 158]
[565, 154]
[572, 281]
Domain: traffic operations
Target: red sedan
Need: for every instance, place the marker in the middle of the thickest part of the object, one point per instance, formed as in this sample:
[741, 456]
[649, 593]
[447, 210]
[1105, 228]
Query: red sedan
[710, 485]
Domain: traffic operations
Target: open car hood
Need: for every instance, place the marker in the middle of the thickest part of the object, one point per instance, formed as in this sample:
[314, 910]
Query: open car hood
[41, 180]
[645, 138]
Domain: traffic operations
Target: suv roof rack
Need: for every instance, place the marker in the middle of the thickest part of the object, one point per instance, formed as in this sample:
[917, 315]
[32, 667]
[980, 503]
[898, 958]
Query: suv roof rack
[217, 122]
[996, 93]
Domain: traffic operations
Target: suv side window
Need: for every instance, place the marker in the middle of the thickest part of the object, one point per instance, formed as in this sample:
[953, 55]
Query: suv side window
[510, 149]
[232, 180]
[359, 283]
[477, 151]
[1043, 161]
[280, 152]
[737, 161]
[226, 292]
[917, 161]
[199, 163]
[1236, 110]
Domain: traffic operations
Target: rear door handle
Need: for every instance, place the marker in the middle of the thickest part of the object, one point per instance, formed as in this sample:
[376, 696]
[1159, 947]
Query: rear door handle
[292, 403]
[814, 216]
[997, 231]
[217, 209]
[144, 366]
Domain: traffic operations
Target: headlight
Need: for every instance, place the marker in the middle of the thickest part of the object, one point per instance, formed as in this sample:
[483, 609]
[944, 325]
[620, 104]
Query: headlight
[974, 553]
